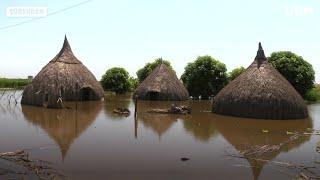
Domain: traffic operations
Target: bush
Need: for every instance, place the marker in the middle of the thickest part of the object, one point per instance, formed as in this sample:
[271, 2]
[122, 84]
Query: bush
[149, 67]
[13, 83]
[313, 94]
[205, 76]
[235, 73]
[295, 69]
[116, 80]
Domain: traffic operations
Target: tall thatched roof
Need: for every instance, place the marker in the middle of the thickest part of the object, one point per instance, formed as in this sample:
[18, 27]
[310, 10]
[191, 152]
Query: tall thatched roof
[162, 84]
[65, 78]
[260, 92]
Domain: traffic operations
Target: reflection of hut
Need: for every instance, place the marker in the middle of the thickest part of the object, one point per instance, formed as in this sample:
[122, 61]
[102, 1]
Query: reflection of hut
[162, 84]
[200, 122]
[159, 123]
[63, 126]
[245, 133]
[260, 92]
[63, 78]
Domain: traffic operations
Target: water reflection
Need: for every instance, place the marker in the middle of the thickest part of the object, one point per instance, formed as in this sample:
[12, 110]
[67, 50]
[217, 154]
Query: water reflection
[116, 101]
[200, 123]
[63, 125]
[158, 123]
[241, 133]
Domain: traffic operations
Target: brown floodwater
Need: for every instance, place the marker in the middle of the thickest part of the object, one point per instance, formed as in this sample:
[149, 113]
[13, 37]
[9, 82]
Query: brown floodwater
[89, 141]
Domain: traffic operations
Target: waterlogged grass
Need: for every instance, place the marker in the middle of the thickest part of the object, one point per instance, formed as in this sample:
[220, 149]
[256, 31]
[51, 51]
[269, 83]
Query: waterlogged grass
[13, 83]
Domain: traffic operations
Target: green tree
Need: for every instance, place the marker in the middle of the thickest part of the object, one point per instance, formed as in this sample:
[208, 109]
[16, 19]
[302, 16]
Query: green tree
[133, 83]
[117, 80]
[235, 73]
[205, 76]
[295, 69]
[149, 67]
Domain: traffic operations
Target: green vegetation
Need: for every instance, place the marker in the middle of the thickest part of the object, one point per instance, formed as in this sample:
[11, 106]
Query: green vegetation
[149, 67]
[295, 69]
[313, 94]
[13, 83]
[116, 80]
[134, 82]
[205, 76]
[235, 73]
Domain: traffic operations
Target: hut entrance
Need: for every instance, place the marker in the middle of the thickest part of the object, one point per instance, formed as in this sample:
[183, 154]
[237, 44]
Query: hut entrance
[86, 94]
[153, 95]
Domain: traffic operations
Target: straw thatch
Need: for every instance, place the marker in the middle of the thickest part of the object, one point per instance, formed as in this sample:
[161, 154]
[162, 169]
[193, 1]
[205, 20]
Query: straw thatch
[162, 84]
[260, 92]
[64, 78]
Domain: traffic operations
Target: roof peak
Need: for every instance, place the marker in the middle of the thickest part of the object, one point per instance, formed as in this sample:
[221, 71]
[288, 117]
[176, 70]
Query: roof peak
[66, 55]
[260, 53]
[66, 45]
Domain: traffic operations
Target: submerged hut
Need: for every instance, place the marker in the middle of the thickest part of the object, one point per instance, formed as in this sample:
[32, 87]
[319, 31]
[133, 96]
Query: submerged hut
[162, 84]
[64, 78]
[260, 92]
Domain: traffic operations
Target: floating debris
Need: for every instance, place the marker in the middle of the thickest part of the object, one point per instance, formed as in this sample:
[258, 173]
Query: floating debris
[318, 147]
[184, 159]
[122, 111]
[39, 168]
[174, 109]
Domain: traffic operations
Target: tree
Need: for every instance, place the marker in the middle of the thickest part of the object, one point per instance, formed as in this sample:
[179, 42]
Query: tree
[133, 83]
[235, 73]
[117, 80]
[295, 69]
[149, 67]
[205, 76]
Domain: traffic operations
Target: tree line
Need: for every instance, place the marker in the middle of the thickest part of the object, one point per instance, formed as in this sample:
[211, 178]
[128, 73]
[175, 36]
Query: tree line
[206, 76]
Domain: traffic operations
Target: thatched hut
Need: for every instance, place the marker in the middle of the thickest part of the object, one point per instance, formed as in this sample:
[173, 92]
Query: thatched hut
[260, 92]
[162, 84]
[64, 78]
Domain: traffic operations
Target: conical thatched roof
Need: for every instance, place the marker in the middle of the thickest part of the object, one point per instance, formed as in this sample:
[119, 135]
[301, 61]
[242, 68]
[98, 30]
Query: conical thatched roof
[260, 92]
[162, 84]
[65, 78]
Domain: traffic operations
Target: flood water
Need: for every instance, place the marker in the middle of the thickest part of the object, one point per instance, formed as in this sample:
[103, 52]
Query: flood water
[89, 141]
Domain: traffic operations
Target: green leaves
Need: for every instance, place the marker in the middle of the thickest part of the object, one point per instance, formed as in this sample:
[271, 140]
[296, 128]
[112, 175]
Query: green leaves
[117, 80]
[205, 76]
[235, 73]
[149, 67]
[295, 69]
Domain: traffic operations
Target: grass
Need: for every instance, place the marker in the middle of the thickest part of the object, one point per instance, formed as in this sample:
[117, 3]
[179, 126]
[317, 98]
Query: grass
[13, 83]
[313, 95]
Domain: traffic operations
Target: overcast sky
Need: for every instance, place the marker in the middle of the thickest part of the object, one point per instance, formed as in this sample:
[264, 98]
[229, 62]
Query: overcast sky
[130, 33]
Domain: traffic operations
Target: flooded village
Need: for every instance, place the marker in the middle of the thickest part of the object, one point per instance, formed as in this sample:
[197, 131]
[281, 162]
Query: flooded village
[168, 90]
[63, 125]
